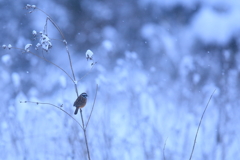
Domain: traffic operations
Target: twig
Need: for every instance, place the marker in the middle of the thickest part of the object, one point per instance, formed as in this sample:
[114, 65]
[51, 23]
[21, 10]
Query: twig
[50, 19]
[47, 61]
[200, 124]
[53, 106]
[65, 42]
[85, 74]
[92, 106]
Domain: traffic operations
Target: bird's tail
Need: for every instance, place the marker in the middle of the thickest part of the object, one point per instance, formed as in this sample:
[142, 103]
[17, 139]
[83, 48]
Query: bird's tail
[76, 111]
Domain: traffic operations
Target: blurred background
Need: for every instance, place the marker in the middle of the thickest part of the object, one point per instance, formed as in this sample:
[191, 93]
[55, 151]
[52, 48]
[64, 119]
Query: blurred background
[158, 62]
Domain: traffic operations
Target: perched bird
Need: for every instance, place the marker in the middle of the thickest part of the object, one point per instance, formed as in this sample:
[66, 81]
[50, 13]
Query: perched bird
[80, 102]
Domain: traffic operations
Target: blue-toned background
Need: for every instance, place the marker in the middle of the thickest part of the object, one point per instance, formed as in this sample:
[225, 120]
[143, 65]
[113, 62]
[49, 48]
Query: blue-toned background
[158, 62]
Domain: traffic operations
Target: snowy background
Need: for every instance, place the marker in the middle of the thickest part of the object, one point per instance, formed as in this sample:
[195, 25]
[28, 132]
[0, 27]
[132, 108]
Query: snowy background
[158, 62]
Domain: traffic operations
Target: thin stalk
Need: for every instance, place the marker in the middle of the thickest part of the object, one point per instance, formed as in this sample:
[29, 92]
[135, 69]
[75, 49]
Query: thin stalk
[47, 61]
[53, 106]
[92, 106]
[69, 56]
[85, 134]
[195, 140]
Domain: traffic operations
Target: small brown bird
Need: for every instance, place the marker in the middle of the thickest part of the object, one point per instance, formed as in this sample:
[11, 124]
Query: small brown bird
[80, 102]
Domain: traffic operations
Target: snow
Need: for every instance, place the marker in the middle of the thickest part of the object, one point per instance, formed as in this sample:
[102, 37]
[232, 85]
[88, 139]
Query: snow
[34, 33]
[9, 46]
[45, 42]
[27, 47]
[158, 62]
[89, 54]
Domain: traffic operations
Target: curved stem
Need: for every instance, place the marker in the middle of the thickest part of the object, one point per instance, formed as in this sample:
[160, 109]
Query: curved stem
[195, 140]
[85, 74]
[47, 61]
[70, 61]
[54, 106]
[92, 106]
[69, 56]
[49, 18]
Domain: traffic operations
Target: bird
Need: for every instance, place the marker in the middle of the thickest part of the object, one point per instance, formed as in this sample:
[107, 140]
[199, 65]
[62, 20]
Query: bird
[80, 101]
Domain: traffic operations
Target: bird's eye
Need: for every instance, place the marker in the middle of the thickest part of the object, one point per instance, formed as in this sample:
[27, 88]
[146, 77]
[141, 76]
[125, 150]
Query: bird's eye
[84, 95]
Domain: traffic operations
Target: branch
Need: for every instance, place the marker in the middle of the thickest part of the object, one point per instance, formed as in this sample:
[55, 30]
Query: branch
[65, 42]
[50, 19]
[53, 106]
[47, 61]
[86, 74]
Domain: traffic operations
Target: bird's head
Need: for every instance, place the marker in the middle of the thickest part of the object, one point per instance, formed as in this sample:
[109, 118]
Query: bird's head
[84, 95]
